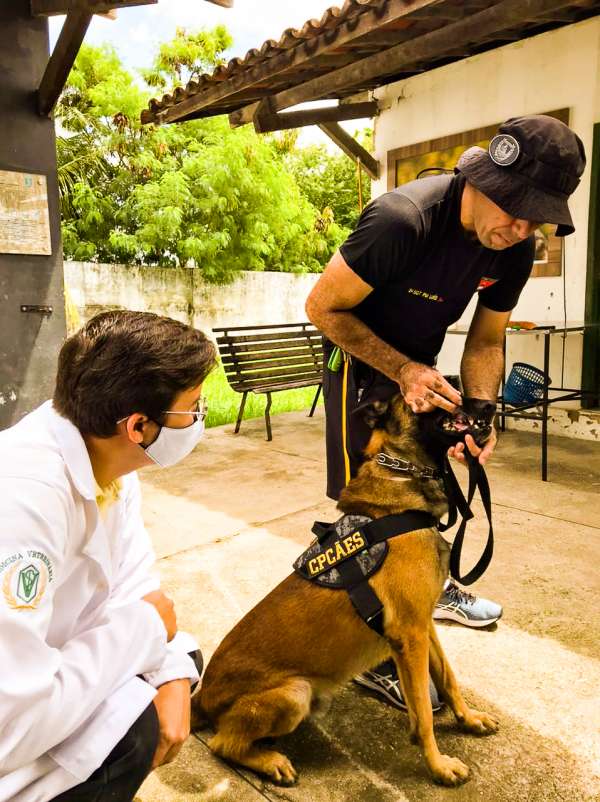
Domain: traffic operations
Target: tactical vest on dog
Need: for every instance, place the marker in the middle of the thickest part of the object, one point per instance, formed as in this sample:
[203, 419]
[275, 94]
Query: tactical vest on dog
[346, 553]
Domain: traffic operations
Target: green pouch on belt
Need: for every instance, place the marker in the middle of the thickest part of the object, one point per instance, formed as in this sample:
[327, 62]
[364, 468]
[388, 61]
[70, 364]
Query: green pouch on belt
[335, 360]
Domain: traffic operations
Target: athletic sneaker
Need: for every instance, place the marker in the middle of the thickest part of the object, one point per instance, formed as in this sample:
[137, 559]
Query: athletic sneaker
[456, 604]
[384, 681]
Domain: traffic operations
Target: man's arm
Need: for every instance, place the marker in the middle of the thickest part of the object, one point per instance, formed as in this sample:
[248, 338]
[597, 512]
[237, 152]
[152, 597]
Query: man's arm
[483, 358]
[329, 306]
[481, 369]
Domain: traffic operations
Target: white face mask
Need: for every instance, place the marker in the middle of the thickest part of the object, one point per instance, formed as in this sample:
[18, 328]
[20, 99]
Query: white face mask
[173, 445]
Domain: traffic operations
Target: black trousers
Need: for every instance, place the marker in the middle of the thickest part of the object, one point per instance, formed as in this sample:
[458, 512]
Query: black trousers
[125, 769]
[345, 392]
[129, 763]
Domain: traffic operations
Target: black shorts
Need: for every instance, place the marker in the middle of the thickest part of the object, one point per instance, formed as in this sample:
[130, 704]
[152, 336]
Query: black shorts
[345, 391]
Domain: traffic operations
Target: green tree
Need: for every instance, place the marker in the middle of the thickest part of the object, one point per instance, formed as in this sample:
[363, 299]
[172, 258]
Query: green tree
[187, 57]
[330, 181]
[194, 193]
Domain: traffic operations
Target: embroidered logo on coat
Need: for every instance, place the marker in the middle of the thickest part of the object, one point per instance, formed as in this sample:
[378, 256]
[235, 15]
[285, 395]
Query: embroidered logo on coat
[25, 577]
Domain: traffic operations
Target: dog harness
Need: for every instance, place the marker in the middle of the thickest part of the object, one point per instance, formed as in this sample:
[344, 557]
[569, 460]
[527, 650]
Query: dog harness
[352, 549]
[349, 551]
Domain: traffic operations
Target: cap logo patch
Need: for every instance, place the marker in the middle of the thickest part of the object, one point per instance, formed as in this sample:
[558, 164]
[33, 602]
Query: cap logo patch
[504, 150]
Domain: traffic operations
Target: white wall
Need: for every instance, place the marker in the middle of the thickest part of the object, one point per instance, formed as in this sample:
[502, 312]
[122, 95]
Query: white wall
[559, 69]
[252, 299]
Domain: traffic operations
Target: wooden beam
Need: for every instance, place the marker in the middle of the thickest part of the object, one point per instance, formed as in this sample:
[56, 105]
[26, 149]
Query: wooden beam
[62, 58]
[505, 14]
[386, 38]
[50, 8]
[223, 3]
[445, 14]
[351, 148]
[265, 120]
[290, 59]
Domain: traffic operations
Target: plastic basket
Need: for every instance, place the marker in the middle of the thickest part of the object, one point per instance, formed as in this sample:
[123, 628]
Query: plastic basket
[525, 384]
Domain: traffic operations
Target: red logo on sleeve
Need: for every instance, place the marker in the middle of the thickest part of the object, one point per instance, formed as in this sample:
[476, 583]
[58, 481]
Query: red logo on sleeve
[485, 282]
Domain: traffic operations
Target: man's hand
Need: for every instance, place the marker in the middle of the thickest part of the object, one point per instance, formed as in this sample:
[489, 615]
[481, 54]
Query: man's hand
[425, 388]
[172, 704]
[482, 454]
[166, 610]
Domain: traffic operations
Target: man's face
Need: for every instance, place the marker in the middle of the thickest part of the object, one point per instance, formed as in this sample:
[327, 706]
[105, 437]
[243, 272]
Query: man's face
[495, 228]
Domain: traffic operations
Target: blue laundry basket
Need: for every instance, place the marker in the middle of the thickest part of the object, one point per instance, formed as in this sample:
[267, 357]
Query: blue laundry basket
[525, 384]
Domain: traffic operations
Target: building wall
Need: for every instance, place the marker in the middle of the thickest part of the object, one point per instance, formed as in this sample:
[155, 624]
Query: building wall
[559, 69]
[252, 299]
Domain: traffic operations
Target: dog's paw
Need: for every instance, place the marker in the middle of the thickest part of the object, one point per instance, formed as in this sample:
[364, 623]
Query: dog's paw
[279, 769]
[449, 771]
[480, 723]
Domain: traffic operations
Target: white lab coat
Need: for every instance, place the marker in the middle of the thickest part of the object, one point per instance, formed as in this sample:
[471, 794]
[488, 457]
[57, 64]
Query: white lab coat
[74, 632]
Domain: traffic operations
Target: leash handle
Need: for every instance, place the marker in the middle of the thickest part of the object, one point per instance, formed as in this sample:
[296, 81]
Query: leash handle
[477, 480]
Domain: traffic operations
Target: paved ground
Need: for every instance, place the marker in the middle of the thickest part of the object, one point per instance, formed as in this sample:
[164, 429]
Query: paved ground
[227, 525]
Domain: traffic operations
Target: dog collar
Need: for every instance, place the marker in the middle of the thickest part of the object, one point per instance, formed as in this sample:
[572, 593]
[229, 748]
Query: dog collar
[405, 466]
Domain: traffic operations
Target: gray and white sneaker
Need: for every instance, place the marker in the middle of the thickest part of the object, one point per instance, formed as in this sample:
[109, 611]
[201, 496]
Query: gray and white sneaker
[384, 681]
[456, 604]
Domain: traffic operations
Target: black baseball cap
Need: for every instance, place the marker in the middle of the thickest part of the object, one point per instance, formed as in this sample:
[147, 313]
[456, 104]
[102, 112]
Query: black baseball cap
[529, 170]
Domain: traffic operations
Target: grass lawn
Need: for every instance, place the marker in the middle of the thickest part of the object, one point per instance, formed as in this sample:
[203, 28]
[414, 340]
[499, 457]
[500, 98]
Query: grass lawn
[223, 402]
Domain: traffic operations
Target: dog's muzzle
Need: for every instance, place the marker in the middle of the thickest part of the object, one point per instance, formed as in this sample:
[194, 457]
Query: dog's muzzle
[474, 417]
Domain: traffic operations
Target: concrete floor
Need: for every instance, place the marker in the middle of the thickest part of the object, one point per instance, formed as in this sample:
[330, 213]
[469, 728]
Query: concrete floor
[227, 525]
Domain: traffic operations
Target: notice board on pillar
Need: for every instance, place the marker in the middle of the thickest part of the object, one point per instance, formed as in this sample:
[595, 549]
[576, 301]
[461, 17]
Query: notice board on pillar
[24, 218]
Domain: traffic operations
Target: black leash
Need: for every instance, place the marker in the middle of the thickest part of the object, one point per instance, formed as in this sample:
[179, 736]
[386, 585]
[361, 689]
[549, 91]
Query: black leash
[457, 503]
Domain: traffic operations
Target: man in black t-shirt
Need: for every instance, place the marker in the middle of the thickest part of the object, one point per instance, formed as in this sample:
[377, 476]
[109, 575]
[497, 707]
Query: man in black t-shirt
[409, 270]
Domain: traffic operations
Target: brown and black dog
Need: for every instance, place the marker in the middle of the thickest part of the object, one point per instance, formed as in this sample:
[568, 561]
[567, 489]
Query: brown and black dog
[302, 642]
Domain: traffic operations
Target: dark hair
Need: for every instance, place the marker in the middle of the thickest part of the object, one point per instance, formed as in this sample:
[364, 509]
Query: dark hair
[122, 362]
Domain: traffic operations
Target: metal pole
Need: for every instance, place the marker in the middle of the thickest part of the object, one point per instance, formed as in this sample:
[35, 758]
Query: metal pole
[545, 407]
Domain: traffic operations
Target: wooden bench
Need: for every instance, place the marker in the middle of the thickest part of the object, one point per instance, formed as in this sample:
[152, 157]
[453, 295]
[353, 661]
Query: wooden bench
[267, 359]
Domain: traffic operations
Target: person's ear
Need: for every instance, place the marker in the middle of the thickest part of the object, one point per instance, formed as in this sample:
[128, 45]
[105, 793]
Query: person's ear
[135, 425]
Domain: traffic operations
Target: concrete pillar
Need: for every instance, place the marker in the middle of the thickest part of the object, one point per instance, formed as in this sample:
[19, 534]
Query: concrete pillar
[29, 342]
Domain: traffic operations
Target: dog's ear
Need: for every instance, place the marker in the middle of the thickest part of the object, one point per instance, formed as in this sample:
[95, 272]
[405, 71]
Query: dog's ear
[374, 413]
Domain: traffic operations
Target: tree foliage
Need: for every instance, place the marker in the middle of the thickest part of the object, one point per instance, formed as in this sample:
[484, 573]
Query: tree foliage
[331, 181]
[196, 193]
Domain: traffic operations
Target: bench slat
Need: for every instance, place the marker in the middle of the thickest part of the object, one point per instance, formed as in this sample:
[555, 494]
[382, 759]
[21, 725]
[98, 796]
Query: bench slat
[263, 388]
[261, 350]
[304, 324]
[248, 362]
[277, 374]
[274, 337]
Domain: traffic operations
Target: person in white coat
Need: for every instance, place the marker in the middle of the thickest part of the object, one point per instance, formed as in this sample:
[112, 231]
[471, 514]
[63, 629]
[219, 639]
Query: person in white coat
[95, 679]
